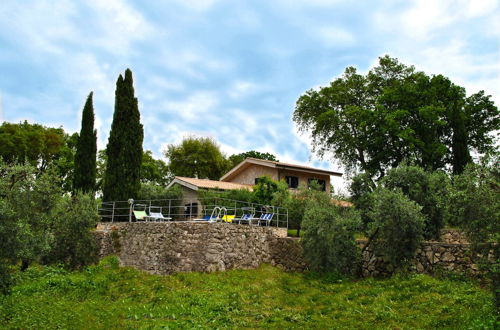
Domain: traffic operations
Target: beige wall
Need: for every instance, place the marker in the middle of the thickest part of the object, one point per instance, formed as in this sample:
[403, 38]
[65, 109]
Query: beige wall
[304, 177]
[254, 171]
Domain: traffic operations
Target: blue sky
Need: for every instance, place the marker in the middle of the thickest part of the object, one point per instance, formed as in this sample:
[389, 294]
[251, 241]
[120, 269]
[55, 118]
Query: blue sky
[231, 70]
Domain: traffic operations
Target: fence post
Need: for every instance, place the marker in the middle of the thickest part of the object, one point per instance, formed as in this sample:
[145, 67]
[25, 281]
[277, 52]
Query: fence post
[113, 213]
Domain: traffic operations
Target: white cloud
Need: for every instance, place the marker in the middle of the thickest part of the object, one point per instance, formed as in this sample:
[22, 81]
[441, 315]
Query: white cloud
[334, 36]
[241, 89]
[197, 106]
[198, 5]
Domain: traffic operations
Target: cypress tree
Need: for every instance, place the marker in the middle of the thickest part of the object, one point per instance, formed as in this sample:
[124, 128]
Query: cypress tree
[84, 175]
[124, 149]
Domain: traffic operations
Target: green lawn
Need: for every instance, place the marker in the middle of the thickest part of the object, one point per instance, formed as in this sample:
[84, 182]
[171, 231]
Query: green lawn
[107, 296]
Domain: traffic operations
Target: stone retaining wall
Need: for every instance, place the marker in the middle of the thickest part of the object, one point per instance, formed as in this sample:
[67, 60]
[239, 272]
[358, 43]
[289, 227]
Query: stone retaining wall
[169, 247]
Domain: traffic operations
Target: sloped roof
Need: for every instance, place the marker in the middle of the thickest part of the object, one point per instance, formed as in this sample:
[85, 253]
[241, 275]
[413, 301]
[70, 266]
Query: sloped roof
[269, 163]
[196, 184]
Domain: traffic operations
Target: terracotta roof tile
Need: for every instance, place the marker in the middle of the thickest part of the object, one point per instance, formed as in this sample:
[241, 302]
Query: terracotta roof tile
[212, 184]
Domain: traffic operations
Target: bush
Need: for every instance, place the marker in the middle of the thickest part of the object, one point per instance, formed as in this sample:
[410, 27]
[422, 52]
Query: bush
[74, 218]
[427, 189]
[329, 243]
[474, 205]
[398, 226]
[151, 191]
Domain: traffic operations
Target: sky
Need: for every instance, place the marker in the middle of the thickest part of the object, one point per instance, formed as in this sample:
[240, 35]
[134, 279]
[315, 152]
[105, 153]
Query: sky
[230, 70]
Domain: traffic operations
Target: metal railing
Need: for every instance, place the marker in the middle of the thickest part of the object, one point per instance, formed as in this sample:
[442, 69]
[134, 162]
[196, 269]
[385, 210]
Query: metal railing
[193, 209]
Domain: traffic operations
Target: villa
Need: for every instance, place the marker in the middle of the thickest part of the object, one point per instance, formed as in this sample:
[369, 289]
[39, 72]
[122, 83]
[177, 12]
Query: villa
[247, 173]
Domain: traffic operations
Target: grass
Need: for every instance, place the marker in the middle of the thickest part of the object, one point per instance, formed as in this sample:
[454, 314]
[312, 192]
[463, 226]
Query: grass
[107, 296]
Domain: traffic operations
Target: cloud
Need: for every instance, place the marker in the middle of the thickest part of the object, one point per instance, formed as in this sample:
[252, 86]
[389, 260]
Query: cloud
[195, 107]
[333, 36]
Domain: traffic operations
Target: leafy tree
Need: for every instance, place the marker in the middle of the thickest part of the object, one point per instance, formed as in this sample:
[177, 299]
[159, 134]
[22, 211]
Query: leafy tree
[124, 149]
[373, 122]
[329, 243]
[28, 201]
[196, 157]
[74, 245]
[398, 225]
[150, 191]
[238, 158]
[154, 171]
[84, 177]
[40, 146]
[474, 205]
[361, 188]
[266, 189]
[427, 189]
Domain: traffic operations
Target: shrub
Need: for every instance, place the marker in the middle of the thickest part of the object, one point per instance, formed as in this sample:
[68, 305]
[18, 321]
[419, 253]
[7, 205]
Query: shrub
[396, 231]
[427, 189]
[73, 220]
[361, 188]
[474, 205]
[328, 240]
[151, 191]
[266, 189]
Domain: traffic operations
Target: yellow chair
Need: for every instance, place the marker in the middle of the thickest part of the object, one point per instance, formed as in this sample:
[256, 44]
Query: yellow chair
[228, 218]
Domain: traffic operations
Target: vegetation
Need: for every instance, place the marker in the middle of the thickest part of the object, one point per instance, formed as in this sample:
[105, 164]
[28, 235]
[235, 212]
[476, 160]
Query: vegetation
[398, 226]
[39, 146]
[72, 221]
[238, 158]
[110, 297]
[475, 207]
[124, 149]
[373, 122]
[329, 244]
[197, 158]
[38, 222]
[84, 175]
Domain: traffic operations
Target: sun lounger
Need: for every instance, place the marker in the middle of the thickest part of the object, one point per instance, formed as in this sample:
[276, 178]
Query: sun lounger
[157, 216]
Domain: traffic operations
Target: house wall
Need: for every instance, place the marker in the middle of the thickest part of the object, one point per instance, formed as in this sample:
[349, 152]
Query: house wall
[304, 177]
[254, 171]
[190, 196]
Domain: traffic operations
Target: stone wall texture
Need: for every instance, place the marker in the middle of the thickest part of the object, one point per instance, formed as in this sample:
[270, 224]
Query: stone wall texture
[170, 247]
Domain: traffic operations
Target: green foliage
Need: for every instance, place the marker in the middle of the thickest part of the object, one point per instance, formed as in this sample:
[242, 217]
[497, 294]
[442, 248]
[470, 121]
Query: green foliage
[107, 296]
[328, 240]
[474, 205]
[427, 189]
[29, 201]
[266, 189]
[150, 191]
[73, 219]
[84, 175]
[238, 158]
[41, 147]
[397, 227]
[154, 171]
[197, 157]
[375, 121]
[361, 188]
[124, 149]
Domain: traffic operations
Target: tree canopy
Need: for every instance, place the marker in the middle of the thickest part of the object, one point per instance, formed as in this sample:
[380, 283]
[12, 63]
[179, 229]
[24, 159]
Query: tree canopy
[40, 146]
[238, 158]
[197, 157]
[393, 113]
[124, 149]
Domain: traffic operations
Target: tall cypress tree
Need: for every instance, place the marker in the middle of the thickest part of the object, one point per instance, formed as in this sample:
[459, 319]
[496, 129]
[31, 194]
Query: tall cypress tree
[460, 148]
[84, 175]
[124, 150]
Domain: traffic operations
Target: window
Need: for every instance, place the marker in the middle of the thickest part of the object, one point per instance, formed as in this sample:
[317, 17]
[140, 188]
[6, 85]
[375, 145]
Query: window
[191, 210]
[292, 181]
[320, 182]
[257, 180]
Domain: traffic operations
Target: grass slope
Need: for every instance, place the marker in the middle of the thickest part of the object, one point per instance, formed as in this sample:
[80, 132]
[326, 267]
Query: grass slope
[107, 296]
